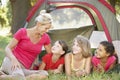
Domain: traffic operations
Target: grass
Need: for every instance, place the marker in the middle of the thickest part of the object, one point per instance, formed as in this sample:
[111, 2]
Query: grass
[3, 42]
[94, 76]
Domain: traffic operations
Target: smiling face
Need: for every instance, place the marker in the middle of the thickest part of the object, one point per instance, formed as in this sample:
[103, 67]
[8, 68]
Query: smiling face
[43, 28]
[101, 52]
[57, 48]
[76, 48]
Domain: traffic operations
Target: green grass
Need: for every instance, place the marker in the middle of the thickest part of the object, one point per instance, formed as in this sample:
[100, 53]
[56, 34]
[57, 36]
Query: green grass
[3, 42]
[93, 76]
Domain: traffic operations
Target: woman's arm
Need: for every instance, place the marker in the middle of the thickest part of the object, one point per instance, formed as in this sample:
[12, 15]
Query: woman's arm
[10, 55]
[10, 47]
[48, 48]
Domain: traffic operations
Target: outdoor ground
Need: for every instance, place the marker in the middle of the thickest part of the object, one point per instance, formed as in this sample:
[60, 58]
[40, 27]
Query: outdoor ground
[4, 39]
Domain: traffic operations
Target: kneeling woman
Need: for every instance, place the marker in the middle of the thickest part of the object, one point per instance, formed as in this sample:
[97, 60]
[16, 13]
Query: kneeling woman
[26, 46]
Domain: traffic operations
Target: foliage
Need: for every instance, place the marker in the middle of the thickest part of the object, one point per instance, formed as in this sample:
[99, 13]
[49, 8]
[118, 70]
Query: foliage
[5, 14]
[118, 7]
[33, 2]
[3, 17]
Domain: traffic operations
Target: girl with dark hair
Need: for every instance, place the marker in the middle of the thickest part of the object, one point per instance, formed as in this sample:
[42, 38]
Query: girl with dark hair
[104, 58]
[54, 62]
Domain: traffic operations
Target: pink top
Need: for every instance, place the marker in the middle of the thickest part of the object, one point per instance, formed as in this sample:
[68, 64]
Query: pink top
[109, 62]
[26, 51]
[47, 59]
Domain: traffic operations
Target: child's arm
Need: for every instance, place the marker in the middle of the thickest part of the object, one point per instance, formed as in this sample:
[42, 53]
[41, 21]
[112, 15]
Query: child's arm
[88, 65]
[112, 65]
[87, 69]
[98, 68]
[67, 64]
[58, 70]
[42, 66]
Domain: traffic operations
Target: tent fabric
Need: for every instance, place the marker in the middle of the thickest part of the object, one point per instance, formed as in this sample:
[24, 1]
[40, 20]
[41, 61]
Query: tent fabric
[69, 34]
[107, 20]
[34, 12]
[108, 5]
[104, 17]
[34, 9]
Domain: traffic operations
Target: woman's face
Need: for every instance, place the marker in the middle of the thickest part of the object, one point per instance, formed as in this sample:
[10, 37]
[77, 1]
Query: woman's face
[43, 28]
[76, 48]
[100, 52]
[57, 48]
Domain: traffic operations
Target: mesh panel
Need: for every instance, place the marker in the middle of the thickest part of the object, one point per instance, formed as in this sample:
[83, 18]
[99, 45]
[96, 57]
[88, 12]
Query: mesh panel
[69, 34]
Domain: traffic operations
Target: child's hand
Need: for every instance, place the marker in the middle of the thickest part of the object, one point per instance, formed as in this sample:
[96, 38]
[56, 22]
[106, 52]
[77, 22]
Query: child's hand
[56, 71]
[80, 73]
[100, 68]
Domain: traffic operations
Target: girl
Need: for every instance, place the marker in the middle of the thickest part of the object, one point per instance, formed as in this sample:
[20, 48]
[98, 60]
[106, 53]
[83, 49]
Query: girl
[26, 45]
[78, 62]
[104, 58]
[54, 61]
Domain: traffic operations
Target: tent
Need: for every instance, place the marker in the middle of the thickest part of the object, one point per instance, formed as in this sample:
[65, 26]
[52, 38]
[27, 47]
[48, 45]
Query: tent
[79, 17]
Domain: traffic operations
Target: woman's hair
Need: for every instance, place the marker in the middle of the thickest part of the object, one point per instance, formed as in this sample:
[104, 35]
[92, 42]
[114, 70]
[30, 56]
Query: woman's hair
[84, 45]
[44, 17]
[109, 47]
[64, 46]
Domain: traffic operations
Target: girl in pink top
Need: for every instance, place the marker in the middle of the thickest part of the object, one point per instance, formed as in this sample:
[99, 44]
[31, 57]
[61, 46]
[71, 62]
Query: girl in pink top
[25, 46]
[104, 58]
[54, 62]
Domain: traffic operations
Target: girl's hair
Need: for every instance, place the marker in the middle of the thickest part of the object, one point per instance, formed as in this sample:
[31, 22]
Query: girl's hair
[109, 47]
[44, 17]
[84, 45]
[64, 46]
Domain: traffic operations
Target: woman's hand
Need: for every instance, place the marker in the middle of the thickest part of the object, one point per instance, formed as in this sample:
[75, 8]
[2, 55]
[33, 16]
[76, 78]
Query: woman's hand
[15, 64]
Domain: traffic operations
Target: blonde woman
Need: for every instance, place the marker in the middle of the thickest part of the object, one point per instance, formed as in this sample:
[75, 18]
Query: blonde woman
[25, 46]
[78, 62]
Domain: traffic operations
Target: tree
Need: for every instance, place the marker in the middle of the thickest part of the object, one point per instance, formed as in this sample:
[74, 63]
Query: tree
[20, 9]
[112, 2]
[115, 4]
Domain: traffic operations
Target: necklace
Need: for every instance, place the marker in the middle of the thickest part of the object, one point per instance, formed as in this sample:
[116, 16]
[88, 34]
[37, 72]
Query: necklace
[81, 66]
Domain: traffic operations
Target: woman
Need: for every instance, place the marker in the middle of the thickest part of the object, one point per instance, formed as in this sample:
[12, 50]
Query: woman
[26, 45]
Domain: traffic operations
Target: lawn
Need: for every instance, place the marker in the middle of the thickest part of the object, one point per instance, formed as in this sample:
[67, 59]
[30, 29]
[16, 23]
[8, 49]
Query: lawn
[94, 76]
[3, 42]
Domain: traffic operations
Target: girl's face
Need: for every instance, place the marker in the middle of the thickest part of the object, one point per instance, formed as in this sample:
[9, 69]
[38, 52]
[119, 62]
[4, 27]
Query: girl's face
[76, 48]
[43, 28]
[100, 52]
[57, 48]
